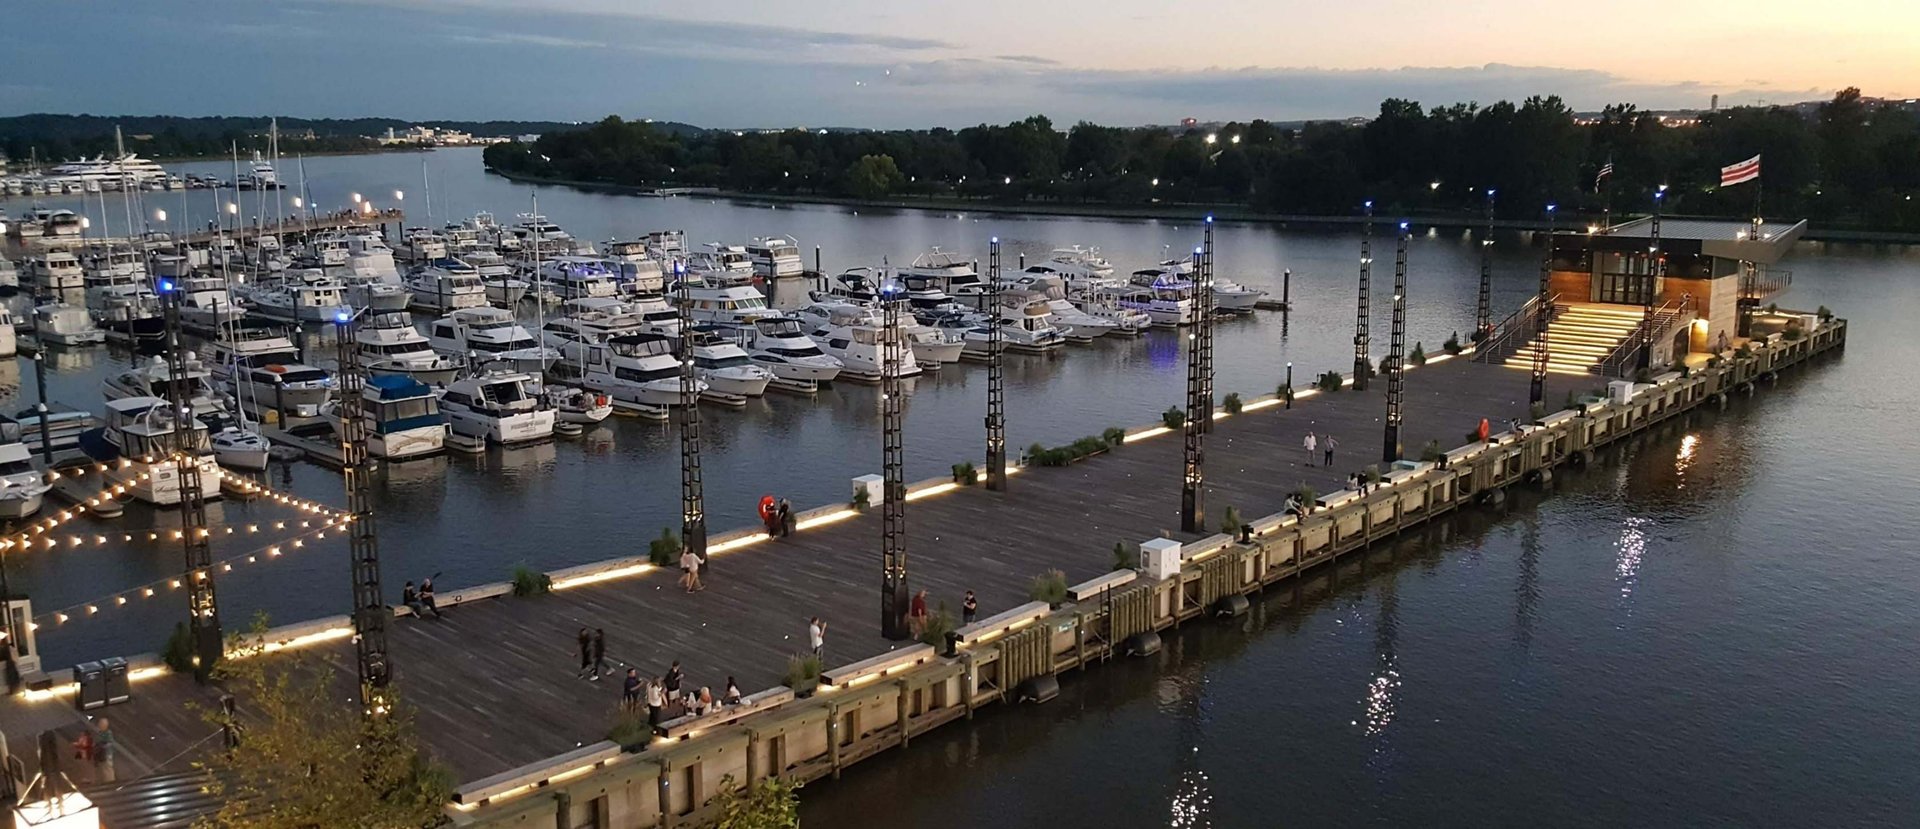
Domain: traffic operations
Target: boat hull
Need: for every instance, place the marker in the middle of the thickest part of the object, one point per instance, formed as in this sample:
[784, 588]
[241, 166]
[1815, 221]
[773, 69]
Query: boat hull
[517, 428]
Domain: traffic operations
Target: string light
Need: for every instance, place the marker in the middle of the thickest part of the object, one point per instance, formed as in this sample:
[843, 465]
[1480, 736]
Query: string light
[149, 590]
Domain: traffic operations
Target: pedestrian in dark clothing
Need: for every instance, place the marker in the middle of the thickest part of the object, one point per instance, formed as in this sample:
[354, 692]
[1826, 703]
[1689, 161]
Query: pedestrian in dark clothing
[671, 682]
[410, 596]
[1329, 445]
[599, 653]
[426, 598]
[969, 609]
[787, 522]
[630, 690]
[732, 696]
[586, 651]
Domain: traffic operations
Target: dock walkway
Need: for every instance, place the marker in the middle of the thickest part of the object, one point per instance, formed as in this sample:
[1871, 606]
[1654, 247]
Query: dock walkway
[496, 682]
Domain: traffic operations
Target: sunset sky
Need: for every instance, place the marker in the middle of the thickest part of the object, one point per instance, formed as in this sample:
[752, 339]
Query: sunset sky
[868, 63]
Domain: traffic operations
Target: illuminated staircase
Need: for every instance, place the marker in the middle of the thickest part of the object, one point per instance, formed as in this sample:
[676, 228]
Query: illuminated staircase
[1580, 337]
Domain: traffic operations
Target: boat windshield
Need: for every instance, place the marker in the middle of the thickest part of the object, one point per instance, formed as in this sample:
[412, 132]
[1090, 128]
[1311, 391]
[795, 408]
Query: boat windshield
[269, 358]
[722, 362]
[635, 375]
[16, 467]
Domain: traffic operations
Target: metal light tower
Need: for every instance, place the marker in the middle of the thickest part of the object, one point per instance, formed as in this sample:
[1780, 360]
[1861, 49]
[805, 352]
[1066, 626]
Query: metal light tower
[996, 388]
[370, 612]
[1483, 311]
[1362, 365]
[203, 610]
[693, 507]
[1656, 268]
[1749, 284]
[893, 530]
[1543, 315]
[1193, 509]
[1396, 351]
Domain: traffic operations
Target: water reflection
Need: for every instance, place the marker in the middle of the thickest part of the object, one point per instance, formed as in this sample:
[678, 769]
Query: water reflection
[1627, 552]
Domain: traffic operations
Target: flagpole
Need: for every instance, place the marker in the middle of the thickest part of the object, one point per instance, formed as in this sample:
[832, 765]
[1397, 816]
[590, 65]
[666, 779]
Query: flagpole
[1606, 197]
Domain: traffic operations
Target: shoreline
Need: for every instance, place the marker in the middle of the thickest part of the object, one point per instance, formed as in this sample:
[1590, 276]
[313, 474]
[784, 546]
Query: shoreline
[1158, 212]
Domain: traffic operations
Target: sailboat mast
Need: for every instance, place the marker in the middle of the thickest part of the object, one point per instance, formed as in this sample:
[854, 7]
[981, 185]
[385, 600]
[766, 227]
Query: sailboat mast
[426, 189]
[279, 213]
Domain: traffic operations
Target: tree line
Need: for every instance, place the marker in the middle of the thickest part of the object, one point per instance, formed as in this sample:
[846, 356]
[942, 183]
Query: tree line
[56, 137]
[1845, 161]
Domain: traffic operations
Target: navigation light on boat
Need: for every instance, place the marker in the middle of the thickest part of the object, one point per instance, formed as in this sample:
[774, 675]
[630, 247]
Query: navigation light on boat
[166, 285]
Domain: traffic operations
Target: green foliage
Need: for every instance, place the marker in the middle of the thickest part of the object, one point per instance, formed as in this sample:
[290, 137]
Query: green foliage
[1231, 405]
[1847, 164]
[1535, 411]
[1643, 375]
[310, 759]
[1452, 345]
[1308, 496]
[939, 624]
[1049, 587]
[630, 728]
[1173, 417]
[1715, 361]
[964, 474]
[1114, 436]
[769, 804]
[1125, 556]
[1062, 455]
[874, 176]
[1473, 436]
[861, 500]
[1792, 332]
[1419, 355]
[1230, 522]
[665, 550]
[1432, 453]
[803, 672]
[530, 582]
[1284, 392]
[178, 652]
[1372, 473]
[1824, 313]
[1330, 381]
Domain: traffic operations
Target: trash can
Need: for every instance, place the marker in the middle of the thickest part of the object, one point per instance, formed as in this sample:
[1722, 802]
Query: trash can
[119, 689]
[92, 679]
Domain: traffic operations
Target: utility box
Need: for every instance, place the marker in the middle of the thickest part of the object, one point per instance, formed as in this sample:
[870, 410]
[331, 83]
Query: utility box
[873, 486]
[91, 677]
[1620, 391]
[1160, 558]
[119, 687]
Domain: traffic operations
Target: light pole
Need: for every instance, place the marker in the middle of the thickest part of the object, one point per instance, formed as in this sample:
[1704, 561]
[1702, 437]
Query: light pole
[1483, 310]
[1362, 365]
[1193, 511]
[1656, 268]
[1542, 315]
[1396, 351]
[370, 612]
[893, 532]
[996, 388]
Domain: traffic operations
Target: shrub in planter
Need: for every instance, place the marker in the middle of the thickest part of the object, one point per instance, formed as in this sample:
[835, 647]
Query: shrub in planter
[1431, 452]
[665, 550]
[1372, 473]
[178, 651]
[1231, 405]
[530, 582]
[1173, 418]
[1473, 436]
[939, 624]
[630, 729]
[1452, 345]
[1715, 361]
[1419, 355]
[1230, 522]
[1330, 381]
[1643, 375]
[1824, 313]
[1792, 333]
[803, 673]
[1114, 436]
[861, 500]
[1307, 496]
[963, 473]
[1049, 587]
[1537, 411]
[1125, 557]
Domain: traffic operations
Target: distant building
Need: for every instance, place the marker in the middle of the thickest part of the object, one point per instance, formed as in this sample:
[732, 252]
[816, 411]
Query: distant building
[433, 137]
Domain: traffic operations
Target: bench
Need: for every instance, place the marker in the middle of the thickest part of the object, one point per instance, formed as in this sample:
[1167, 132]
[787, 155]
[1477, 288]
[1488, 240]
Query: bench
[876, 666]
[1094, 587]
[534, 774]
[1003, 622]
[681, 728]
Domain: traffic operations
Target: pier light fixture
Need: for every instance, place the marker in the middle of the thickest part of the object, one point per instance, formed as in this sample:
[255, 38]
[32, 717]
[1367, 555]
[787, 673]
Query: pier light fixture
[1368, 204]
[1007, 180]
[166, 285]
[1212, 138]
[1403, 225]
[159, 215]
[1592, 229]
[1552, 207]
[1235, 139]
[1491, 192]
[298, 203]
[85, 223]
[366, 207]
[399, 195]
[355, 197]
[1434, 186]
[3, 227]
[1156, 182]
[233, 209]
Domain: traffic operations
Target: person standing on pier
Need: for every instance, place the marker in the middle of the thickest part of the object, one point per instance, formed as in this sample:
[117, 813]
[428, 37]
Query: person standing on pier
[969, 609]
[671, 682]
[769, 516]
[586, 651]
[1329, 444]
[787, 522]
[103, 748]
[599, 653]
[630, 690]
[690, 566]
[917, 614]
[1308, 442]
[656, 700]
[817, 637]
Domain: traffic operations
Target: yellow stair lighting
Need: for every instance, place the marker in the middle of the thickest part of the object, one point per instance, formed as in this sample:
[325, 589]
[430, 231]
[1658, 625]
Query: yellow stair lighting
[1580, 337]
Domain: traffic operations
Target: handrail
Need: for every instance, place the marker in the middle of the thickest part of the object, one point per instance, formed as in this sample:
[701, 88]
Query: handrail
[1651, 328]
[1494, 347]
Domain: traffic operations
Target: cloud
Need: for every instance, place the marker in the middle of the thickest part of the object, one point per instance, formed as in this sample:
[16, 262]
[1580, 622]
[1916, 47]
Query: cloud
[658, 29]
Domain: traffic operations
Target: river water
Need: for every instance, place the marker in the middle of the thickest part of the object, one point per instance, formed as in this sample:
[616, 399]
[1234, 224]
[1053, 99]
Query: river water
[1716, 626]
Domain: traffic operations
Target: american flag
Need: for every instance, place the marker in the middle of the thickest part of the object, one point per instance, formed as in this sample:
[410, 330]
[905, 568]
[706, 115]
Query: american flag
[1740, 173]
[1605, 171]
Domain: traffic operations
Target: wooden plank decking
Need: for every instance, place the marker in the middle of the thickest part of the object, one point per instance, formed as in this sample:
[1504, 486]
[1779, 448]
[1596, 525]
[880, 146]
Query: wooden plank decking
[496, 683]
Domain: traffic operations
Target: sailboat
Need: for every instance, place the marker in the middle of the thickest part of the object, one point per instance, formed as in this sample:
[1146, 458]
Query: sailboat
[237, 443]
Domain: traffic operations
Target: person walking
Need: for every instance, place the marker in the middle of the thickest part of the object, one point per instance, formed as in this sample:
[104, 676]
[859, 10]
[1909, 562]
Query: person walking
[1328, 444]
[630, 690]
[1309, 444]
[690, 565]
[817, 637]
[787, 521]
[917, 614]
[103, 749]
[969, 609]
[599, 653]
[586, 651]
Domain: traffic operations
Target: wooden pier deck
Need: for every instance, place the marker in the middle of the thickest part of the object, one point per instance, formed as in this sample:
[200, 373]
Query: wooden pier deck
[496, 684]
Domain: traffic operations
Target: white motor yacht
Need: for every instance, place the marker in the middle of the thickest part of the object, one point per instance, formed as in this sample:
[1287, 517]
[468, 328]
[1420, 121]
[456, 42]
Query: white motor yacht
[1168, 298]
[633, 369]
[780, 345]
[656, 315]
[446, 285]
[503, 289]
[853, 335]
[775, 257]
[666, 245]
[368, 256]
[402, 417]
[263, 371]
[575, 277]
[1103, 302]
[153, 378]
[140, 432]
[1077, 264]
[577, 405]
[206, 302]
[56, 270]
[113, 266]
[637, 269]
[1025, 326]
[499, 407]
[423, 245]
[377, 295]
[725, 366]
[737, 306]
[1229, 295]
[131, 309]
[306, 295]
[9, 275]
[63, 324]
[721, 264]
[9, 338]
[1074, 324]
[328, 251]
[390, 346]
[592, 321]
[953, 273]
[489, 336]
[23, 488]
